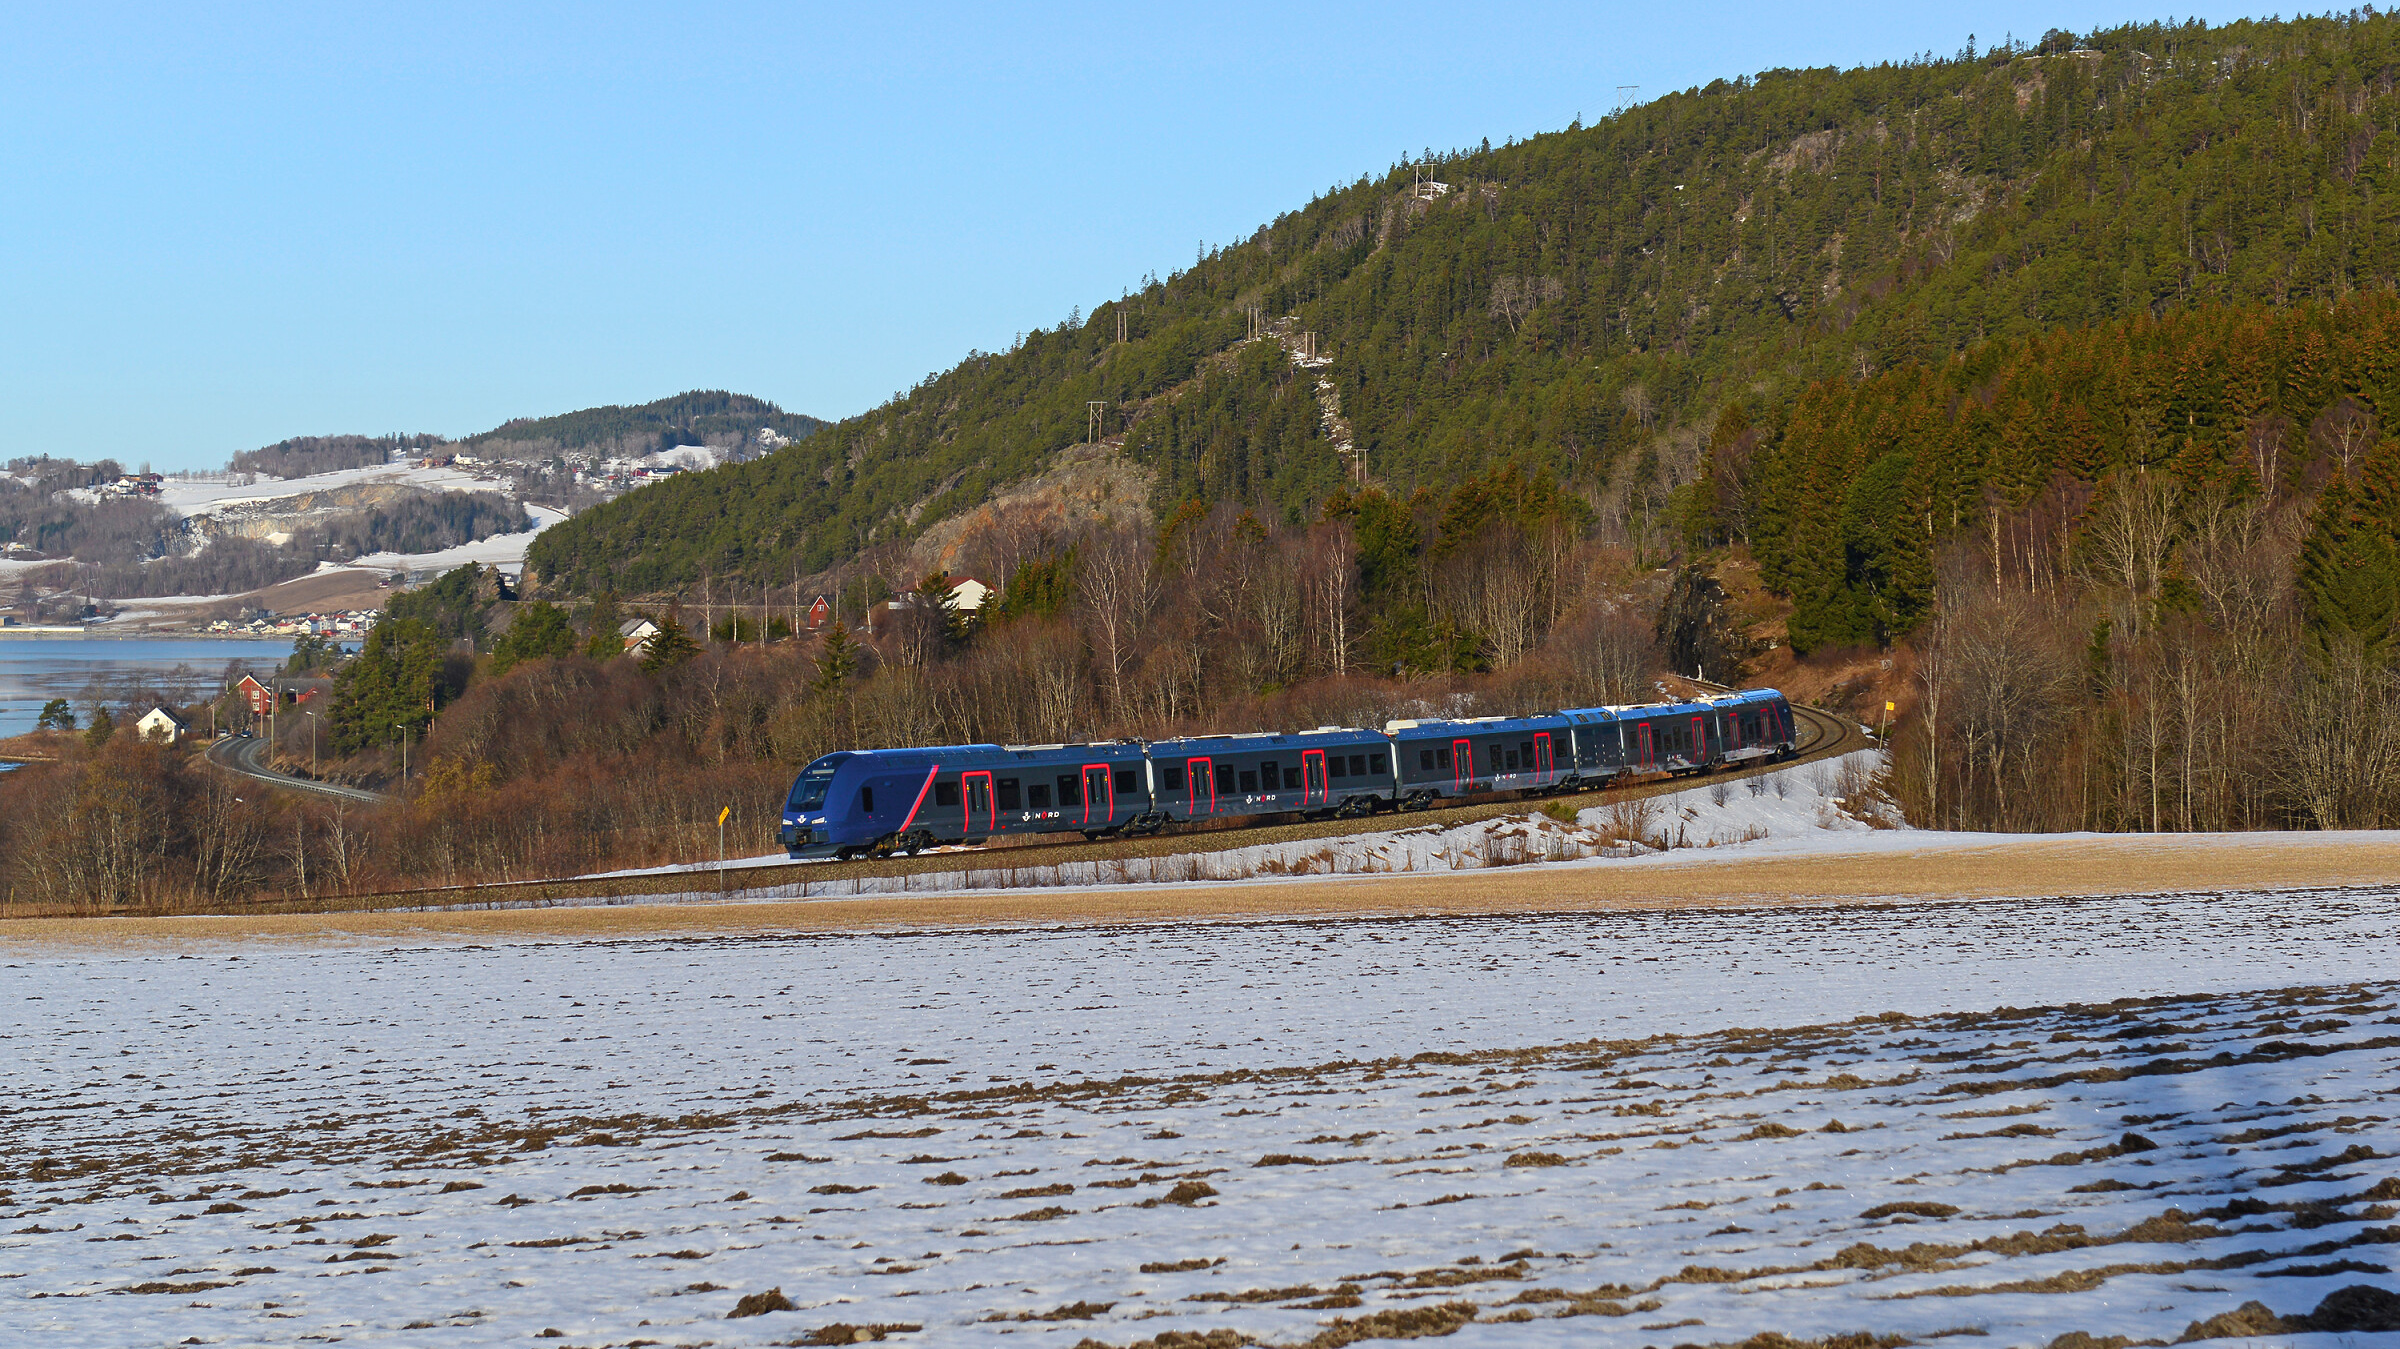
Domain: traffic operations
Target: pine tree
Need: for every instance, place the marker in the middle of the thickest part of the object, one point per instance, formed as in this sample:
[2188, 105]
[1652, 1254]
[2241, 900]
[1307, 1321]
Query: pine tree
[540, 631]
[2349, 572]
[838, 660]
[605, 642]
[669, 647]
[395, 681]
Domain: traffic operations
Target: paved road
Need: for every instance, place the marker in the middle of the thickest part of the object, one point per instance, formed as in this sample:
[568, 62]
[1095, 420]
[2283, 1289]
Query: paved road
[246, 758]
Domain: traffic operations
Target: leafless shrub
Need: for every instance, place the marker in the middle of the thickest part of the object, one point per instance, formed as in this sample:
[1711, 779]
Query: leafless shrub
[1631, 820]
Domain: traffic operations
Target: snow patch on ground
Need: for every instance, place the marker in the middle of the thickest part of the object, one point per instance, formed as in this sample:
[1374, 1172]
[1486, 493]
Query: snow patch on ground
[187, 497]
[506, 551]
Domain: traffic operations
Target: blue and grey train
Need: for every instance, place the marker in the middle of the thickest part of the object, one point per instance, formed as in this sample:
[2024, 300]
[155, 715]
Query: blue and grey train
[856, 802]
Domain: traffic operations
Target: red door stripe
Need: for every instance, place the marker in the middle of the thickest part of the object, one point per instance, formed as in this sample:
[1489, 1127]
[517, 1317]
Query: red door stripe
[919, 803]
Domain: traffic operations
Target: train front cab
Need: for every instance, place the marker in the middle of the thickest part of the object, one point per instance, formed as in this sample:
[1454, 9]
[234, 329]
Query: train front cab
[846, 804]
[833, 810]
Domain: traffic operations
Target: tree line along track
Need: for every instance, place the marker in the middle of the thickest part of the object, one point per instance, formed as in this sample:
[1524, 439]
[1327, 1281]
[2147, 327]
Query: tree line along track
[1823, 736]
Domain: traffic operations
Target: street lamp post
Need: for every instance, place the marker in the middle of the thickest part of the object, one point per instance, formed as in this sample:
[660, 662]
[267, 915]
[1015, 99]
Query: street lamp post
[402, 728]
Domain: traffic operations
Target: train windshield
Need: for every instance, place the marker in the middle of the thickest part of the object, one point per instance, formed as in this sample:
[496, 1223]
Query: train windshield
[808, 793]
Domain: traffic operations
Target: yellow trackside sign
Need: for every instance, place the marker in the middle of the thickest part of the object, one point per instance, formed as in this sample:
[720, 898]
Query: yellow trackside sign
[722, 815]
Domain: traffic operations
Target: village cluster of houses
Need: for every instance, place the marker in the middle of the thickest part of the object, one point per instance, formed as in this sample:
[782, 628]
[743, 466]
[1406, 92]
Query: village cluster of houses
[345, 623]
[255, 695]
[131, 485]
[620, 476]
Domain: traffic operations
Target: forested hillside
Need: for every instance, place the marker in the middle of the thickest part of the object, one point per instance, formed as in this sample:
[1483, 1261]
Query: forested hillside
[1583, 303]
[701, 417]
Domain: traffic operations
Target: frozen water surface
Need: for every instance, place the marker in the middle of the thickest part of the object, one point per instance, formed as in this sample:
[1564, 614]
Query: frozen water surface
[1539, 1130]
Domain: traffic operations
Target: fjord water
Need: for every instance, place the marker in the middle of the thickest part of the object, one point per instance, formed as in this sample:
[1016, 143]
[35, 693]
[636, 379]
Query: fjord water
[116, 671]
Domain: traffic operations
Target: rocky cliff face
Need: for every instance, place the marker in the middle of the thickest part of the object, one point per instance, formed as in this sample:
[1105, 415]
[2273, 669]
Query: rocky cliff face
[1698, 632]
[277, 519]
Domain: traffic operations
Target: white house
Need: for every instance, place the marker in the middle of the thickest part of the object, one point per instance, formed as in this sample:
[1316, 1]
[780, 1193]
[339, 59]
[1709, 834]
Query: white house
[968, 594]
[636, 634]
[161, 725]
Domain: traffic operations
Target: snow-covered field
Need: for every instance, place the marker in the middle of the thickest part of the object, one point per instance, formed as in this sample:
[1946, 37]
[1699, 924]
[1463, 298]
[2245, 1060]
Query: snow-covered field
[503, 550]
[506, 551]
[190, 497]
[1542, 1130]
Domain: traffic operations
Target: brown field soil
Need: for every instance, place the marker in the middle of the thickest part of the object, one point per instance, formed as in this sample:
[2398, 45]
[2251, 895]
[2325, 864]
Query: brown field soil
[334, 590]
[316, 594]
[319, 594]
[2029, 867]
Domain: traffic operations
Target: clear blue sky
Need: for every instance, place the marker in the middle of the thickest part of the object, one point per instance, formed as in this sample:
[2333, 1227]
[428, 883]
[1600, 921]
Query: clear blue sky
[223, 225]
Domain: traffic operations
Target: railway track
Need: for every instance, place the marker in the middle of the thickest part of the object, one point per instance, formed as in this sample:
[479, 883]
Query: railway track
[1823, 735]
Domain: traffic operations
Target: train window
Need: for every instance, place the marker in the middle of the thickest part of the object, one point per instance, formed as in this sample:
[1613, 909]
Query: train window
[1525, 749]
[1291, 779]
[1007, 791]
[1358, 765]
[1249, 780]
[1442, 756]
[1171, 778]
[1037, 796]
[866, 800]
[945, 793]
[1128, 780]
[1425, 760]
[1511, 760]
[1269, 775]
[1336, 766]
[1375, 765]
[1067, 792]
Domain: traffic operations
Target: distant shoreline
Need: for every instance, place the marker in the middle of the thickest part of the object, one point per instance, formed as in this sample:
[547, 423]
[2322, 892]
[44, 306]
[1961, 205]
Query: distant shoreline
[87, 635]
